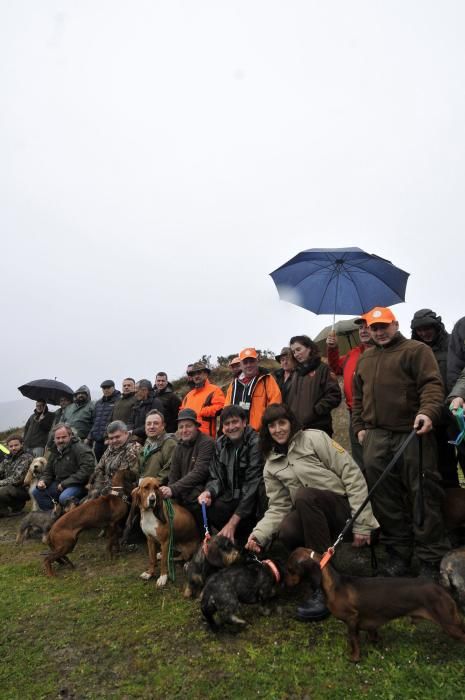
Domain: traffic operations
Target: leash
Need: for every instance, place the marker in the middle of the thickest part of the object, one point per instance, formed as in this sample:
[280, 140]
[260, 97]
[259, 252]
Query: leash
[170, 514]
[205, 525]
[459, 417]
[327, 556]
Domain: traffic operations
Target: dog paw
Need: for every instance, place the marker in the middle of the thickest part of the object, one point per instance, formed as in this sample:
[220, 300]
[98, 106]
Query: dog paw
[161, 580]
[146, 575]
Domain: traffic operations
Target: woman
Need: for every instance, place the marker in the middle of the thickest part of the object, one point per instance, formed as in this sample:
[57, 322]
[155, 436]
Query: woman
[314, 390]
[313, 487]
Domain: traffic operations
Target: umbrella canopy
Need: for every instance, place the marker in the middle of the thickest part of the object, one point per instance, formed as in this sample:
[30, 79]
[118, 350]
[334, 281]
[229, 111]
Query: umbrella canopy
[346, 333]
[48, 389]
[340, 281]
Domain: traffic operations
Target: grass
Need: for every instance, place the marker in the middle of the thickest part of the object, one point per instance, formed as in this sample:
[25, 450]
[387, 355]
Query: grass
[100, 631]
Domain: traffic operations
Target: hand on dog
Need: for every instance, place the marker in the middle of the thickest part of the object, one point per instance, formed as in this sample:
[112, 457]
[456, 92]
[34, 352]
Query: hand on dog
[360, 540]
[230, 528]
[166, 492]
[252, 545]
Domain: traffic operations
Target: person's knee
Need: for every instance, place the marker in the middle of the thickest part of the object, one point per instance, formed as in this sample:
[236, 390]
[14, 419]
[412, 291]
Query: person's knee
[308, 495]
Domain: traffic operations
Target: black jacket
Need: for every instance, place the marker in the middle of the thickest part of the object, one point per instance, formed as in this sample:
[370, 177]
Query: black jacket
[139, 412]
[171, 403]
[190, 467]
[36, 431]
[236, 472]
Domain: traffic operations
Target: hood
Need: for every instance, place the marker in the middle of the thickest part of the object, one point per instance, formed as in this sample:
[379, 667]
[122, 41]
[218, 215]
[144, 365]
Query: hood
[427, 317]
[83, 390]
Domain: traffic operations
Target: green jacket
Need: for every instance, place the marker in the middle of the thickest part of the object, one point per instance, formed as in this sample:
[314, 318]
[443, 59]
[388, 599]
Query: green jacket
[72, 467]
[155, 458]
[316, 461]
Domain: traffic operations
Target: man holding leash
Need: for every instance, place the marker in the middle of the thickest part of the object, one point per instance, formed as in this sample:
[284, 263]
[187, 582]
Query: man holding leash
[398, 388]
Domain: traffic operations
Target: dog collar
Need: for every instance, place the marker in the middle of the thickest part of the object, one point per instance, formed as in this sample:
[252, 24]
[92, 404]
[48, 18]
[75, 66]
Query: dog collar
[273, 568]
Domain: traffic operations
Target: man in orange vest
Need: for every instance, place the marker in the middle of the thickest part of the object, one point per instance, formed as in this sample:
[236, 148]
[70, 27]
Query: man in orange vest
[206, 399]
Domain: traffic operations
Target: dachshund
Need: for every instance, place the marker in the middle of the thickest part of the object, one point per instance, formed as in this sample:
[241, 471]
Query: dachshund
[33, 474]
[452, 574]
[368, 603]
[108, 511]
[253, 581]
[155, 525]
[214, 554]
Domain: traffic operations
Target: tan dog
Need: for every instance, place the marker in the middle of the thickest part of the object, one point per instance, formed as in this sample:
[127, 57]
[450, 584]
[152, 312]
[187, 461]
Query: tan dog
[155, 525]
[35, 471]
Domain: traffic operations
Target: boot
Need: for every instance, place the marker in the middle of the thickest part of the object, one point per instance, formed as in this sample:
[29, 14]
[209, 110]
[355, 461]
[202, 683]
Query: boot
[314, 608]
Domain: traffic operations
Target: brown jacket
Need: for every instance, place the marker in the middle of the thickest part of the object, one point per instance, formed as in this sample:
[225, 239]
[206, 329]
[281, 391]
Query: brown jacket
[395, 382]
[313, 395]
[190, 467]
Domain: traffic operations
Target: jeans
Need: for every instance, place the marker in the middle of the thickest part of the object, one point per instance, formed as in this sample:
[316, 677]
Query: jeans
[44, 496]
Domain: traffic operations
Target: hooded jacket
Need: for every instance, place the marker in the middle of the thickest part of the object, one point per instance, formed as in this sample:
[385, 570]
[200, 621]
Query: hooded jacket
[265, 392]
[81, 416]
[102, 415]
[71, 467]
[440, 345]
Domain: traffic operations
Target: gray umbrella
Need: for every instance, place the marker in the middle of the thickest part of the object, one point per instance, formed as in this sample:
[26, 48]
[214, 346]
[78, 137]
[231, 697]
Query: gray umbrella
[346, 333]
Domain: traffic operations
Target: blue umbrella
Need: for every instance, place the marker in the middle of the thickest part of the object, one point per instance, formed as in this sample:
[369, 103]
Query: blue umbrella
[340, 281]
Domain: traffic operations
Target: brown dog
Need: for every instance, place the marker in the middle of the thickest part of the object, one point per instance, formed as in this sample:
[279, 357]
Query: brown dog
[105, 511]
[33, 474]
[368, 603]
[155, 525]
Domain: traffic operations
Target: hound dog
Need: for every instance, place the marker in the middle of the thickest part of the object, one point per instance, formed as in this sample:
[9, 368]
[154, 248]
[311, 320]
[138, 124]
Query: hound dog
[33, 474]
[154, 522]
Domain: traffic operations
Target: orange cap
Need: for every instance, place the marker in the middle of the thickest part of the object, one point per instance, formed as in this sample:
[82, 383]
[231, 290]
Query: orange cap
[379, 314]
[248, 352]
[235, 361]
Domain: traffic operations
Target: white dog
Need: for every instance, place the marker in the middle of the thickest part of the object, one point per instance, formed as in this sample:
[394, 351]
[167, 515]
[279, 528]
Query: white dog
[35, 471]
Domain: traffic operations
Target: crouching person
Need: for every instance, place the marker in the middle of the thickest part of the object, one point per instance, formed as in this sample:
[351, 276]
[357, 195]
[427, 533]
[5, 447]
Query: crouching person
[13, 469]
[68, 469]
[236, 474]
[120, 454]
[313, 486]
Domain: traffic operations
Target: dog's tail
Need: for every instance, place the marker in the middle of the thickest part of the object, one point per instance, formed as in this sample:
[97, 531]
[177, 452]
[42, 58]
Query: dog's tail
[208, 608]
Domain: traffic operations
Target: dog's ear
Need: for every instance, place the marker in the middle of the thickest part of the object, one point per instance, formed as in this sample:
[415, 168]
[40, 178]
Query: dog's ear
[135, 495]
[158, 509]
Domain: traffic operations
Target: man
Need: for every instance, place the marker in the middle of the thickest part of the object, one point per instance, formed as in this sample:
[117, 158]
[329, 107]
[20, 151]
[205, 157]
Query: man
[205, 399]
[190, 462]
[171, 401]
[397, 388]
[102, 416]
[283, 375]
[69, 466]
[254, 389]
[123, 408]
[145, 402]
[427, 327]
[81, 414]
[13, 469]
[120, 454]
[235, 367]
[456, 353]
[155, 457]
[37, 429]
[235, 486]
[346, 365]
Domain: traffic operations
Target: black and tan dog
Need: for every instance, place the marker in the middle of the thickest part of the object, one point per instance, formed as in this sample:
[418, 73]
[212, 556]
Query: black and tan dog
[155, 524]
[253, 581]
[217, 553]
[369, 603]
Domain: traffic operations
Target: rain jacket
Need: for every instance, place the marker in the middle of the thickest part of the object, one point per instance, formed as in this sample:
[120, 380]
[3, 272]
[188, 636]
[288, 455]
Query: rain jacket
[440, 346]
[265, 392]
[345, 365]
[81, 416]
[207, 402]
[313, 460]
[103, 411]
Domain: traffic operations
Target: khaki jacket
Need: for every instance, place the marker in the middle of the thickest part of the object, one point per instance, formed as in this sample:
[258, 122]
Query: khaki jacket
[315, 461]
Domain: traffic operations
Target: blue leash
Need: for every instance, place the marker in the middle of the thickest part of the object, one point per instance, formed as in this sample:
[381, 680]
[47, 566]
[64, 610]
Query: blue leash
[459, 417]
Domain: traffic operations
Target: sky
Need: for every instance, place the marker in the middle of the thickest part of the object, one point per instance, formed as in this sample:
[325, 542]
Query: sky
[160, 159]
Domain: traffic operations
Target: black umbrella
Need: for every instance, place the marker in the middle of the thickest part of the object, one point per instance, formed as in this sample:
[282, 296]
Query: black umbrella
[49, 390]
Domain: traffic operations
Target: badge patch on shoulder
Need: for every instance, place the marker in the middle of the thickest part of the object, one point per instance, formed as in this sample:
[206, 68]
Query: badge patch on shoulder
[337, 446]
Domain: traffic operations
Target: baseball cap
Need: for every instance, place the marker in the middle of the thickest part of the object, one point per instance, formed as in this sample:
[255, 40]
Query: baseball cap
[235, 361]
[248, 352]
[379, 314]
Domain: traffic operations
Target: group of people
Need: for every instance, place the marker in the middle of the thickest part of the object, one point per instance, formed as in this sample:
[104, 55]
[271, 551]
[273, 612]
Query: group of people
[261, 455]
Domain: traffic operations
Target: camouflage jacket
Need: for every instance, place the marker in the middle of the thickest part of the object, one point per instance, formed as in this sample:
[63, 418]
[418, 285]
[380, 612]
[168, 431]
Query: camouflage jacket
[113, 459]
[13, 469]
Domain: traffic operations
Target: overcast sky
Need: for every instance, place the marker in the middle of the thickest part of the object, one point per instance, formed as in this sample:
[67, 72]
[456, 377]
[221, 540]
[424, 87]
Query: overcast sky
[160, 159]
